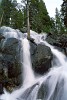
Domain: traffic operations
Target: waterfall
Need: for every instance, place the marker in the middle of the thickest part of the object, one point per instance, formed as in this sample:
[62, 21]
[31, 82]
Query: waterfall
[51, 86]
[28, 75]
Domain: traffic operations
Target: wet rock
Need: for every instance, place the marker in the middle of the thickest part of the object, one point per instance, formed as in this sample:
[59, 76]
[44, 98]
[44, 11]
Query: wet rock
[11, 46]
[23, 30]
[60, 41]
[41, 59]
[1, 37]
[53, 38]
[10, 56]
[1, 89]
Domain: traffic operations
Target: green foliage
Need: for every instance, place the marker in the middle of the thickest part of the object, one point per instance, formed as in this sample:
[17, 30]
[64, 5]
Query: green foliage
[6, 10]
[58, 26]
[11, 16]
[64, 12]
[40, 21]
[16, 19]
[39, 18]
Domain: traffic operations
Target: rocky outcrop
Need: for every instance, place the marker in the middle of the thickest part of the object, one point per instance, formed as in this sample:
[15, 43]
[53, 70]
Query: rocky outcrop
[41, 58]
[1, 37]
[10, 65]
[59, 41]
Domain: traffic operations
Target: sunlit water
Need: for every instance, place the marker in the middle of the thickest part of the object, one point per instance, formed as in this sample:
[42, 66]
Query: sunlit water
[55, 81]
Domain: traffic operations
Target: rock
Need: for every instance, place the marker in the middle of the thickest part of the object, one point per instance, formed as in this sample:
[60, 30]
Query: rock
[1, 89]
[10, 56]
[53, 38]
[60, 41]
[11, 46]
[1, 40]
[33, 48]
[23, 30]
[31, 40]
[1, 37]
[41, 58]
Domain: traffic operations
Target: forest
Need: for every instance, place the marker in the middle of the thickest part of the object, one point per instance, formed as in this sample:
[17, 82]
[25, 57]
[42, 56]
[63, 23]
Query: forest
[14, 15]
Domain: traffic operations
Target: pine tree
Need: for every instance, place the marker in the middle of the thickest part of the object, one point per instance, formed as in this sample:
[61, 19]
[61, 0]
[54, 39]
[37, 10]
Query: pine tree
[10, 16]
[59, 25]
[39, 18]
[16, 19]
[64, 12]
[6, 10]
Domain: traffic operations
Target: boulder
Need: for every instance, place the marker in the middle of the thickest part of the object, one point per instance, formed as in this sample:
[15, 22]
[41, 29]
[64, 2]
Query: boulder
[1, 40]
[41, 58]
[1, 37]
[60, 41]
[53, 38]
[11, 46]
[10, 56]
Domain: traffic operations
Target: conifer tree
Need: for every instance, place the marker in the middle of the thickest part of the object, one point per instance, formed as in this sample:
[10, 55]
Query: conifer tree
[64, 12]
[38, 16]
[6, 6]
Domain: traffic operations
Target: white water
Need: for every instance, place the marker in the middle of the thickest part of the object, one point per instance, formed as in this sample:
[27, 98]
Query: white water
[60, 56]
[28, 75]
[55, 80]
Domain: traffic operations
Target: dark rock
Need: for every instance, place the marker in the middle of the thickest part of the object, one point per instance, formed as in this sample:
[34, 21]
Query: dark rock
[31, 40]
[23, 30]
[11, 46]
[59, 41]
[1, 37]
[33, 48]
[51, 39]
[1, 88]
[41, 59]
[10, 56]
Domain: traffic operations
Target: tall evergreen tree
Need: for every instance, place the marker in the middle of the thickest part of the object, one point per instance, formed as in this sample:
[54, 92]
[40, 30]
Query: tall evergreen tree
[6, 6]
[64, 12]
[9, 15]
[39, 18]
[59, 25]
[16, 19]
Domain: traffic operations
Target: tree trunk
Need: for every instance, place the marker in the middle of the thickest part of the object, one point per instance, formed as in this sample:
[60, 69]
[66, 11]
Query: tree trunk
[1, 19]
[28, 24]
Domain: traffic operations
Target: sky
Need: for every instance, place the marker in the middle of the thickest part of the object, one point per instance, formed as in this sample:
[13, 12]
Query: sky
[51, 6]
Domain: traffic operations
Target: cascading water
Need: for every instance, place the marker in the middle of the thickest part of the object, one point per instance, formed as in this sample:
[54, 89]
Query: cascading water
[27, 67]
[52, 86]
[57, 53]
